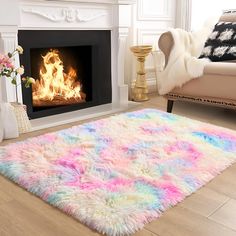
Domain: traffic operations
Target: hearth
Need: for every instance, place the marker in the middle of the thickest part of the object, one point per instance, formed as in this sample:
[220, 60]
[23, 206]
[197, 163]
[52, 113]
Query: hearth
[72, 70]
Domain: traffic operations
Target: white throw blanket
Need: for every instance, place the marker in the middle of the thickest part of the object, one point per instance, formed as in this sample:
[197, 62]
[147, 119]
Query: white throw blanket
[183, 63]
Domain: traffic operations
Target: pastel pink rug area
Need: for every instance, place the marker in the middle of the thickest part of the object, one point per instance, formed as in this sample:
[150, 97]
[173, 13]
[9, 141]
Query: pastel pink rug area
[119, 173]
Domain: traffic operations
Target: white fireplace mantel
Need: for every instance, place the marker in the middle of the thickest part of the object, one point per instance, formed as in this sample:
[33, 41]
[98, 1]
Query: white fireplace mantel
[113, 15]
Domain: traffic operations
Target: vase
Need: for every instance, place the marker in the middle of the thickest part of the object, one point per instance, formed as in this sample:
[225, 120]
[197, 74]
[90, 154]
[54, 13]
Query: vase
[23, 122]
[8, 121]
[1, 126]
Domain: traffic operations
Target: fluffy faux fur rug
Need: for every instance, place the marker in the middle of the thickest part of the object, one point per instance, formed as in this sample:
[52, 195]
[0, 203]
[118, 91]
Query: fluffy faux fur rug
[119, 173]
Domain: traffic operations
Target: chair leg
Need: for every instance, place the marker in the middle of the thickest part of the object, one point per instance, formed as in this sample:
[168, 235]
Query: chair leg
[170, 105]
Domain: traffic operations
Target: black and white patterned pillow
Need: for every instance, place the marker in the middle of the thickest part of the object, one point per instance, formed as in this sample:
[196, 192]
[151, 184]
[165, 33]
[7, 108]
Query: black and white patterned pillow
[221, 44]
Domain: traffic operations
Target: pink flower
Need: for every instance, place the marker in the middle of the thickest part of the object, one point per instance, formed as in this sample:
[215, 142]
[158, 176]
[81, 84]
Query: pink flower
[6, 62]
[8, 69]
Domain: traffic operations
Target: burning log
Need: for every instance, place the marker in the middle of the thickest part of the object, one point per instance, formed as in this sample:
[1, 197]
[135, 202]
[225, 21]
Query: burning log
[55, 86]
[59, 101]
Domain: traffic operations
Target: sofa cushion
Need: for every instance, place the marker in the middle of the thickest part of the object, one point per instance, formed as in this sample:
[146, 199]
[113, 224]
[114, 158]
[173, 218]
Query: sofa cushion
[221, 44]
[211, 86]
[221, 68]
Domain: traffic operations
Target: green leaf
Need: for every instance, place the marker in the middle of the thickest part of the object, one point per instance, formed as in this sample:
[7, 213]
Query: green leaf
[13, 81]
[27, 84]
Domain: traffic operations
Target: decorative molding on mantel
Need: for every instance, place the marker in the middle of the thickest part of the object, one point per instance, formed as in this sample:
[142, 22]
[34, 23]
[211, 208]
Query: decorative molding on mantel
[120, 2]
[65, 14]
[127, 2]
[62, 15]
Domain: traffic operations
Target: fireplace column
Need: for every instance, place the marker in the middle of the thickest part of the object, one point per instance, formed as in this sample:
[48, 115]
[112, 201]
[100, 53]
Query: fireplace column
[122, 20]
[9, 19]
[8, 43]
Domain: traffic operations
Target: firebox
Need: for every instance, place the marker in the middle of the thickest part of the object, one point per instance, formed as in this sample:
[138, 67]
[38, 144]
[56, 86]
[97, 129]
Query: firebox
[72, 70]
[63, 76]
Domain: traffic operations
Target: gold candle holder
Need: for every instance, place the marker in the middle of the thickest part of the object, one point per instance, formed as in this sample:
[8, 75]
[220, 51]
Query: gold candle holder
[140, 89]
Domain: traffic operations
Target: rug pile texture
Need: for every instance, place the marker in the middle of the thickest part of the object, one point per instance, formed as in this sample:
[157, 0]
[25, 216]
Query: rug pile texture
[119, 173]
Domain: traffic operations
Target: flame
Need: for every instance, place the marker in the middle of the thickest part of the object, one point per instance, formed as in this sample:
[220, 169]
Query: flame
[55, 86]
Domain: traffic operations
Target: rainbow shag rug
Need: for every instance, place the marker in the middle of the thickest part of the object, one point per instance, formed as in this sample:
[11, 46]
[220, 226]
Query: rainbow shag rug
[119, 173]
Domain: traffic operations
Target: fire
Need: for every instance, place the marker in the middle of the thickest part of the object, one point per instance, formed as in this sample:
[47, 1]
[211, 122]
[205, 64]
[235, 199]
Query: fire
[55, 86]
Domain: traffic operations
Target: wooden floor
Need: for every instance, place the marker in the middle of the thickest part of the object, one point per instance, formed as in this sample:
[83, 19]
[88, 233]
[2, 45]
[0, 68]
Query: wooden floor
[211, 211]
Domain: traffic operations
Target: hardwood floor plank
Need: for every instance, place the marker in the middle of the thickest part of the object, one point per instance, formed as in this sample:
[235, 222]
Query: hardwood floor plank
[23, 214]
[4, 197]
[144, 232]
[225, 183]
[226, 215]
[13, 224]
[182, 222]
[204, 201]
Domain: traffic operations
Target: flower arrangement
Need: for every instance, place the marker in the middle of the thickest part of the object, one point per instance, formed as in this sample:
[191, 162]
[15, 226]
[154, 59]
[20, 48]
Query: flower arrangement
[8, 69]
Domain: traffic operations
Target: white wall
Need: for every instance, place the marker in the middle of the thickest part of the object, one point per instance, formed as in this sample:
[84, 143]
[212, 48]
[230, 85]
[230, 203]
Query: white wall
[204, 9]
[150, 19]
[183, 14]
[8, 12]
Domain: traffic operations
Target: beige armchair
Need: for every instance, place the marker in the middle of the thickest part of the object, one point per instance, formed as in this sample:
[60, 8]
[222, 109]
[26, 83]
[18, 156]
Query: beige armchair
[217, 86]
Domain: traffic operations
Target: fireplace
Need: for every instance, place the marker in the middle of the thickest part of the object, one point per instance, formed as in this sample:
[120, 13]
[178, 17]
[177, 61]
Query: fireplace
[72, 70]
[98, 28]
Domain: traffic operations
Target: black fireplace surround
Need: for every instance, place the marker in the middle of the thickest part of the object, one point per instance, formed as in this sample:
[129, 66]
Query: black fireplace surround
[95, 46]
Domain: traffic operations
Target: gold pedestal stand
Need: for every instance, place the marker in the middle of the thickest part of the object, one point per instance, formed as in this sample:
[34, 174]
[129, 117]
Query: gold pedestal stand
[140, 89]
